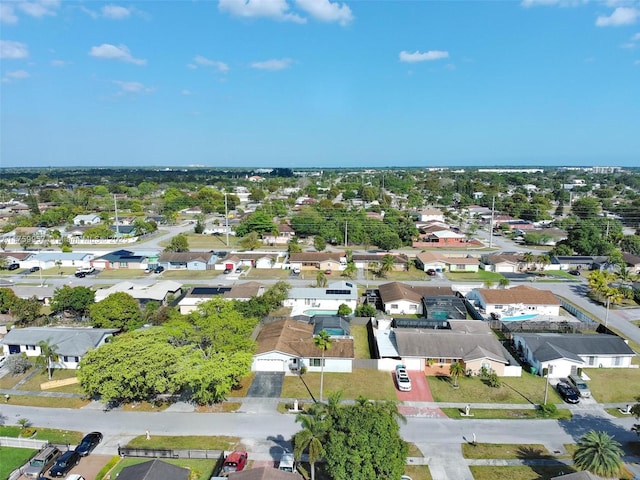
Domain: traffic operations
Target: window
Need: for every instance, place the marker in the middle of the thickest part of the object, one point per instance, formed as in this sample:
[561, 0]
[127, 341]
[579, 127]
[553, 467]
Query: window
[617, 361]
[394, 306]
[315, 362]
[413, 307]
[459, 267]
[499, 307]
[31, 347]
[591, 360]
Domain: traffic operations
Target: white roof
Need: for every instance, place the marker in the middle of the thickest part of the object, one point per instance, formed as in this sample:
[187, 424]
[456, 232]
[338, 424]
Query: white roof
[157, 291]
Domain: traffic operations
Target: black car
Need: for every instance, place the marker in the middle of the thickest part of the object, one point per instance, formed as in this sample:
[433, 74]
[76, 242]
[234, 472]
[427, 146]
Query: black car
[574, 272]
[159, 269]
[88, 443]
[34, 269]
[567, 393]
[431, 272]
[13, 266]
[65, 462]
[227, 271]
[80, 274]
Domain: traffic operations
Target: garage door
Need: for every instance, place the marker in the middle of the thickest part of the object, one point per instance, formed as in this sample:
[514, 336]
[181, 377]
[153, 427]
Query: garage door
[269, 365]
[506, 269]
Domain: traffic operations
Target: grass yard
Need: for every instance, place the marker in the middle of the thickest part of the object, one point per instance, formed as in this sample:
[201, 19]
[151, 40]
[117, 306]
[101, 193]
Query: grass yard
[519, 473]
[53, 435]
[499, 413]
[200, 469]
[413, 274]
[371, 384]
[185, 442]
[9, 381]
[33, 384]
[13, 458]
[268, 274]
[122, 273]
[418, 472]
[479, 276]
[50, 402]
[505, 451]
[361, 341]
[525, 389]
[611, 385]
[224, 407]
[241, 389]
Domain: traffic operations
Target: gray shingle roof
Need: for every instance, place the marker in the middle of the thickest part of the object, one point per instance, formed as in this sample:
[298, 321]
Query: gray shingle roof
[70, 341]
[154, 470]
[549, 346]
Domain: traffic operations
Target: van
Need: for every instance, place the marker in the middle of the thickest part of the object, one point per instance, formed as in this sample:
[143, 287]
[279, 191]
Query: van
[580, 385]
[287, 463]
[42, 461]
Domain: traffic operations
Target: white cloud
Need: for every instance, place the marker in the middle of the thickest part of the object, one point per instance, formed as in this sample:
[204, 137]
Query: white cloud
[205, 62]
[39, 8]
[417, 56]
[273, 64]
[325, 11]
[628, 45]
[15, 75]
[59, 63]
[13, 50]
[7, 14]
[132, 87]
[275, 9]
[620, 16]
[115, 12]
[107, 51]
[552, 3]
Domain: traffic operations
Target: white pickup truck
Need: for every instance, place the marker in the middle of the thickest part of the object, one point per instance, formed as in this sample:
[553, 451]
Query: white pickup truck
[85, 270]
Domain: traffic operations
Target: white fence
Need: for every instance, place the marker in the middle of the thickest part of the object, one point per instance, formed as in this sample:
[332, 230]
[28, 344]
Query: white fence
[22, 442]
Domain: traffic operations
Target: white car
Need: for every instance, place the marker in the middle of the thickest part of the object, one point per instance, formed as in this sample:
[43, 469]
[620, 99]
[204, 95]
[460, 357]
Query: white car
[74, 476]
[402, 379]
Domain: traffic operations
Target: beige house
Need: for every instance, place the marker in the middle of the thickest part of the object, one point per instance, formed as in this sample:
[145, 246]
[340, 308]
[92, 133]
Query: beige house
[318, 261]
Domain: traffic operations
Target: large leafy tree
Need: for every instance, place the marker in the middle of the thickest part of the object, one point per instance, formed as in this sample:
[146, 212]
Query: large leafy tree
[598, 453]
[118, 310]
[7, 299]
[179, 243]
[73, 301]
[26, 310]
[259, 222]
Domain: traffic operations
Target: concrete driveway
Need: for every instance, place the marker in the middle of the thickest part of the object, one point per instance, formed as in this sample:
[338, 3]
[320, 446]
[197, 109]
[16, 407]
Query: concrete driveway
[266, 385]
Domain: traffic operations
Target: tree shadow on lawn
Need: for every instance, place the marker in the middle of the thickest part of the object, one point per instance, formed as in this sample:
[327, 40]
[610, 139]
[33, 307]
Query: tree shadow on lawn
[542, 462]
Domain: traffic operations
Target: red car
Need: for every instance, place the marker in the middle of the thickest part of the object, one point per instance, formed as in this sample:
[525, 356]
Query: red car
[235, 462]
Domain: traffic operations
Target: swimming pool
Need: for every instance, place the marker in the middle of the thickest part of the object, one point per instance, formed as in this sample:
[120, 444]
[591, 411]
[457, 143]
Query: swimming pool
[312, 312]
[528, 316]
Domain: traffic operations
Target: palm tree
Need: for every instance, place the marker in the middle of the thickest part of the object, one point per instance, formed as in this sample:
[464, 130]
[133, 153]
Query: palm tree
[528, 258]
[488, 284]
[387, 265]
[611, 295]
[504, 282]
[350, 270]
[599, 454]
[309, 438]
[544, 260]
[455, 370]
[48, 356]
[323, 342]
[321, 280]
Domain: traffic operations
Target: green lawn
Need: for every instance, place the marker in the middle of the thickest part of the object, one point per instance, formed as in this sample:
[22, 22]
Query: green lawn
[361, 341]
[13, 458]
[519, 473]
[610, 385]
[200, 469]
[418, 472]
[524, 389]
[505, 451]
[33, 384]
[9, 381]
[185, 442]
[53, 435]
[50, 402]
[479, 276]
[269, 273]
[499, 413]
[371, 384]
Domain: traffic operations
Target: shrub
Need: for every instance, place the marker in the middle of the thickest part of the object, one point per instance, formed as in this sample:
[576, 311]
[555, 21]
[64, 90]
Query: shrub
[17, 364]
[547, 410]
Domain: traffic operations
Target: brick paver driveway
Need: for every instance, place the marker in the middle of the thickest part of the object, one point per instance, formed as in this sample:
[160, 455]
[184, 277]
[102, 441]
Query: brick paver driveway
[420, 392]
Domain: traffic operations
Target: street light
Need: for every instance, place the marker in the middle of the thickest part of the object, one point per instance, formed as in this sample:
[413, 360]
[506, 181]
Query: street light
[546, 386]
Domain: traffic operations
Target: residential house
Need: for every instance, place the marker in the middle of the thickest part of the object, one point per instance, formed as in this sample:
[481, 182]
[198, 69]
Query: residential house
[402, 299]
[429, 214]
[433, 350]
[462, 264]
[502, 262]
[318, 261]
[260, 260]
[310, 301]
[36, 235]
[287, 345]
[46, 260]
[121, 259]
[158, 292]
[154, 470]
[123, 230]
[519, 301]
[437, 236]
[42, 293]
[187, 260]
[285, 233]
[16, 257]
[375, 260]
[196, 295]
[89, 219]
[431, 261]
[71, 343]
[577, 262]
[264, 473]
[632, 262]
[564, 353]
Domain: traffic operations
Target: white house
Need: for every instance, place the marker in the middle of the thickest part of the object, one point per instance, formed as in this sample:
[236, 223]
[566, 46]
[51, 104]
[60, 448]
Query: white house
[196, 295]
[46, 260]
[157, 292]
[71, 344]
[311, 301]
[522, 300]
[431, 214]
[564, 353]
[90, 219]
[287, 345]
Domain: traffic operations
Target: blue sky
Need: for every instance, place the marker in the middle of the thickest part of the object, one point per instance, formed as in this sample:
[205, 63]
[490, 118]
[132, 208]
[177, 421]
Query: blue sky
[318, 83]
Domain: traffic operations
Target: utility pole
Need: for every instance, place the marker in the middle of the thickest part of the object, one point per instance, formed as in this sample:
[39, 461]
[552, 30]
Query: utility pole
[115, 207]
[226, 218]
[546, 386]
[493, 207]
[345, 233]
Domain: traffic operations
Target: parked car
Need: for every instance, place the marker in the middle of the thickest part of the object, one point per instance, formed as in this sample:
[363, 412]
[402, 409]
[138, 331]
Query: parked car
[65, 462]
[579, 385]
[86, 270]
[567, 393]
[3, 359]
[239, 270]
[147, 270]
[158, 269]
[75, 476]
[80, 274]
[13, 266]
[227, 271]
[287, 462]
[41, 461]
[431, 272]
[235, 462]
[327, 271]
[574, 272]
[34, 269]
[88, 443]
[402, 379]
